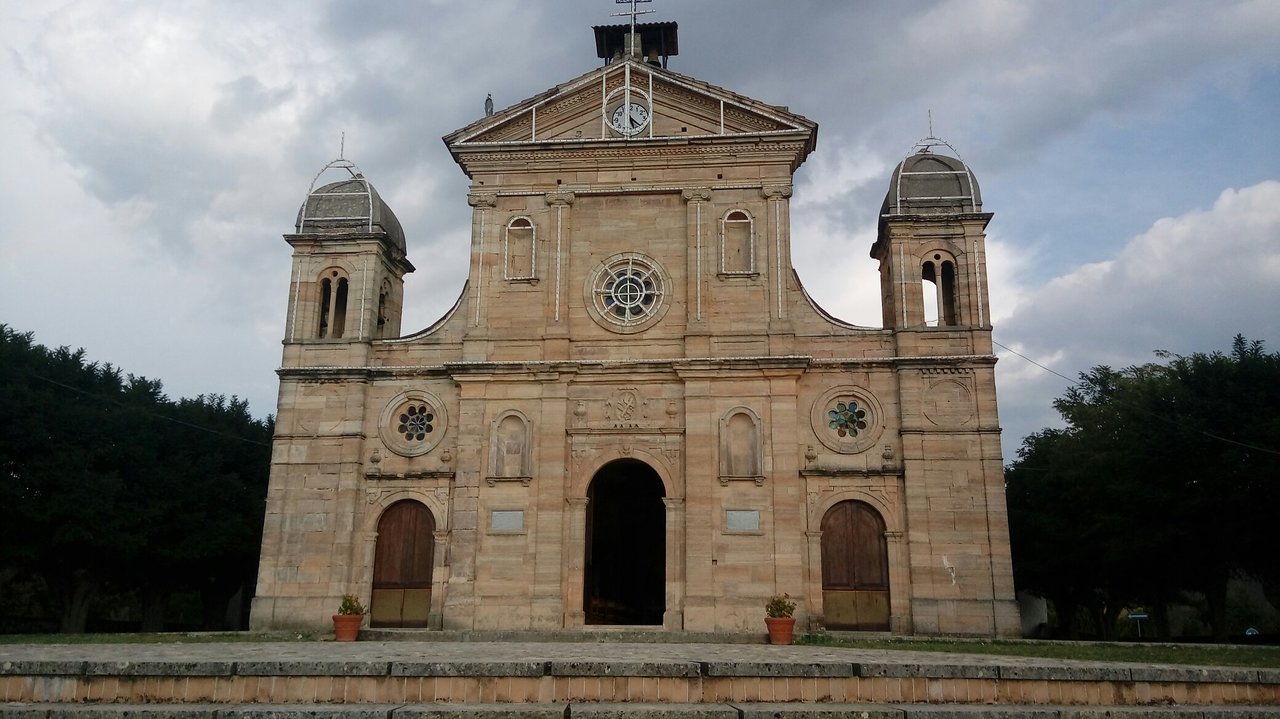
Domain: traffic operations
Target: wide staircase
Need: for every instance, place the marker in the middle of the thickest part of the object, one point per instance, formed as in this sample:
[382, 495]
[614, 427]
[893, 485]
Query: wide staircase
[392, 675]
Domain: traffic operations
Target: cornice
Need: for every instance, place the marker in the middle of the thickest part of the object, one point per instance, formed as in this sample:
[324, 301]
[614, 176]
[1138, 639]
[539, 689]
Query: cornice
[550, 369]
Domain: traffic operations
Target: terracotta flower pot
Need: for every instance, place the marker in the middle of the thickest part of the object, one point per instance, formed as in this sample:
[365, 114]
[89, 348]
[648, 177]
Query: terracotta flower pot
[781, 629]
[346, 627]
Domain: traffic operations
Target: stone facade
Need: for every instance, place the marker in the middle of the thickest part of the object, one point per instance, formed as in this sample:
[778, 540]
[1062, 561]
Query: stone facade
[634, 414]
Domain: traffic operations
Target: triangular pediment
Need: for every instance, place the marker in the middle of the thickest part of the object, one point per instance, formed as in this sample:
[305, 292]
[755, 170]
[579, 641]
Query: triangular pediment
[678, 106]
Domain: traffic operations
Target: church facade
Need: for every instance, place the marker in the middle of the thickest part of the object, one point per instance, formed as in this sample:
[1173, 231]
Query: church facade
[634, 414]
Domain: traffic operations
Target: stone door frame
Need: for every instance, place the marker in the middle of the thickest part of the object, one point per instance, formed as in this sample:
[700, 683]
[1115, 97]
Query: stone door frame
[588, 460]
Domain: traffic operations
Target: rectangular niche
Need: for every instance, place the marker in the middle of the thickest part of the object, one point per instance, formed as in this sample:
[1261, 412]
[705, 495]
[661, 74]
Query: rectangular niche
[742, 521]
[506, 521]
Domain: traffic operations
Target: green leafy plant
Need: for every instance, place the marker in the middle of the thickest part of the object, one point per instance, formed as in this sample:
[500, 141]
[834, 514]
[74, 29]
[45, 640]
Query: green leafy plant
[350, 605]
[780, 605]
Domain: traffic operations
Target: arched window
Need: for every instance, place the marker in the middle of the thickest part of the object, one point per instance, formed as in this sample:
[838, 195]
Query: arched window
[519, 250]
[384, 296]
[737, 250]
[333, 304]
[740, 447]
[938, 275]
[509, 457]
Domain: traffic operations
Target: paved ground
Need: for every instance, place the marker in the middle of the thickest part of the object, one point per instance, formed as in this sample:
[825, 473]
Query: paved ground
[723, 656]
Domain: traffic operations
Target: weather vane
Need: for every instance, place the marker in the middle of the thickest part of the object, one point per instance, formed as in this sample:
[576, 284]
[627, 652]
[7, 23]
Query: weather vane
[632, 12]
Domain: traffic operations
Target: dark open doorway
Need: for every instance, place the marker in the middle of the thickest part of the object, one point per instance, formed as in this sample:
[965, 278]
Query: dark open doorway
[625, 579]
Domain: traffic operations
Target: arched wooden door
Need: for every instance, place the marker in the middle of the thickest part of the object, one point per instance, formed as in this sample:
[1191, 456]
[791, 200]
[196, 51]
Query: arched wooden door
[402, 566]
[855, 568]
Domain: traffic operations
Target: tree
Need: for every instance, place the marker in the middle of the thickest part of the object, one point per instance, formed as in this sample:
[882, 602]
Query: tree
[1161, 482]
[107, 484]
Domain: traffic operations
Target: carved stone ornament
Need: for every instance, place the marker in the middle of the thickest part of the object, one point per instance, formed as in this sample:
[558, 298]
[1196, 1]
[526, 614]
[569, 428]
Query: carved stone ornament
[696, 194]
[559, 198]
[775, 192]
[625, 407]
[482, 199]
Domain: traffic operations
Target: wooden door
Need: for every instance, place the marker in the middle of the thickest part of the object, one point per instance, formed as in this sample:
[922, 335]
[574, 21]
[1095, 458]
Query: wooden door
[402, 566]
[855, 568]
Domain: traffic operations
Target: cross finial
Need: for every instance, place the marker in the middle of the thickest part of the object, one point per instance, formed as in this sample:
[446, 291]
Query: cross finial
[342, 145]
[632, 12]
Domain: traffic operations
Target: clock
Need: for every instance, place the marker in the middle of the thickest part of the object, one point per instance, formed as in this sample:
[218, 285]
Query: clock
[629, 118]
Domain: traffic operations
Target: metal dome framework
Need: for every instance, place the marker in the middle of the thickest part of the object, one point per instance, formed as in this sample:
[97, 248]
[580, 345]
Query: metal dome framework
[357, 175]
[925, 147]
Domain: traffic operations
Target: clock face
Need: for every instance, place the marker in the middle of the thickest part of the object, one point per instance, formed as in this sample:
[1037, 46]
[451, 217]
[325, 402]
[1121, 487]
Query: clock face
[629, 119]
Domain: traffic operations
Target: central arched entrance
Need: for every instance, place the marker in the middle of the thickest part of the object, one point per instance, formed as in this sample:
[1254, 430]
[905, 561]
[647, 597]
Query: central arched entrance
[626, 544]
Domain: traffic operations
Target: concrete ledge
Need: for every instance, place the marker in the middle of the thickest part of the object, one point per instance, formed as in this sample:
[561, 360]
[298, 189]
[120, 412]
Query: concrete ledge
[753, 710]
[817, 711]
[469, 669]
[286, 668]
[482, 711]
[1069, 673]
[778, 669]
[38, 667]
[560, 636]
[927, 671]
[159, 669]
[622, 669]
[653, 711]
[1222, 675]
[689, 667]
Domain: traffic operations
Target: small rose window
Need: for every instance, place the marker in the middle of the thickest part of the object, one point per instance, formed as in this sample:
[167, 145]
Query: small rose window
[416, 422]
[846, 418]
[413, 423]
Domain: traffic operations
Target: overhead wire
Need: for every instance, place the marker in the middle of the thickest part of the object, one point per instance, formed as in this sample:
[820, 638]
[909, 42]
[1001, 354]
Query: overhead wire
[157, 415]
[1142, 410]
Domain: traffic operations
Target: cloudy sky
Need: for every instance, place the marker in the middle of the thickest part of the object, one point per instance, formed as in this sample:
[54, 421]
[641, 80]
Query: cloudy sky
[155, 152]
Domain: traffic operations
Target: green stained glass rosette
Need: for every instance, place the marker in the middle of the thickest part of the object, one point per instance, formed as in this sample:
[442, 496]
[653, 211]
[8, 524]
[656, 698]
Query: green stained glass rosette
[847, 418]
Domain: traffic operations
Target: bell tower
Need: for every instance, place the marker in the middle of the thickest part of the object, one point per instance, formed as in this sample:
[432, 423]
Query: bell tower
[931, 246]
[349, 263]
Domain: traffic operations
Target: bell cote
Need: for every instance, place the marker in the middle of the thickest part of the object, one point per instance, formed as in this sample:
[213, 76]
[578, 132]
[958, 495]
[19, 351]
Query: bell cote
[931, 243]
[349, 262]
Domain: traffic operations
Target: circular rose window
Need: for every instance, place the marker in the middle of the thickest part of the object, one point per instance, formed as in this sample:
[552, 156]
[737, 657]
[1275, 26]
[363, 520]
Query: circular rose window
[413, 423]
[627, 293]
[847, 419]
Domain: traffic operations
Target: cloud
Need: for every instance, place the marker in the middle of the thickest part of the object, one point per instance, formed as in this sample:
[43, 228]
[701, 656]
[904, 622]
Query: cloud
[159, 149]
[1187, 284]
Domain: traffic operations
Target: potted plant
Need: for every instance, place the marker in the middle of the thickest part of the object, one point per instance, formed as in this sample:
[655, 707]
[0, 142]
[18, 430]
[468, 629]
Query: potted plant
[346, 623]
[782, 625]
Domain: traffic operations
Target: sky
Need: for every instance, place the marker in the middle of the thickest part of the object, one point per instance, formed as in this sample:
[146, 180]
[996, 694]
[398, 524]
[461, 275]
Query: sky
[154, 153]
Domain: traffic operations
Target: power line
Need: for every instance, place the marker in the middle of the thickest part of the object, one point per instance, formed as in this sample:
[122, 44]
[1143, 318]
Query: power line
[159, 416]
[1141, 410]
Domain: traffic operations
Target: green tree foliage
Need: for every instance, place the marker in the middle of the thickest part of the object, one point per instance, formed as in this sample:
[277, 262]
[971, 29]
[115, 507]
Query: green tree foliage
[107, 485]
[1164, 480]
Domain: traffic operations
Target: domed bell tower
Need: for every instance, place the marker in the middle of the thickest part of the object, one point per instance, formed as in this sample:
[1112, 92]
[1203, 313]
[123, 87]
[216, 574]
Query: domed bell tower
[349, 264]
[931, 248]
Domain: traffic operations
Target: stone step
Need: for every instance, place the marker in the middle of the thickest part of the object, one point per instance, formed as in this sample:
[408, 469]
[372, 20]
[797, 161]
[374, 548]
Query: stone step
[602, 635]
[625, 711]
[591, 675]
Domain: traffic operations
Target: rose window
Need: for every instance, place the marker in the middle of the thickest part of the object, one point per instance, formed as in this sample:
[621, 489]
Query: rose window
[628, 292]
[415, 422]
[846, 418]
